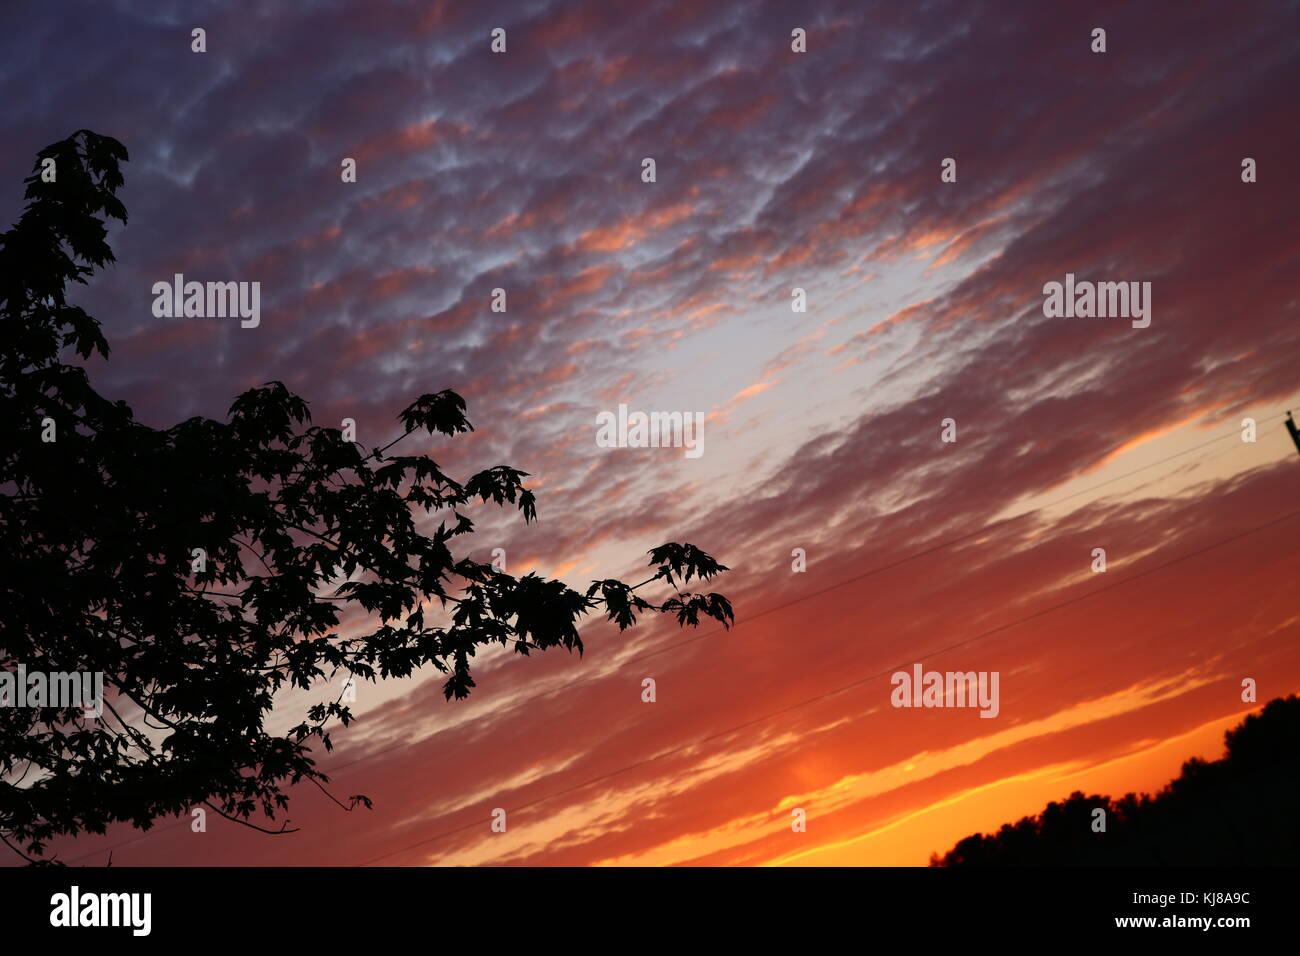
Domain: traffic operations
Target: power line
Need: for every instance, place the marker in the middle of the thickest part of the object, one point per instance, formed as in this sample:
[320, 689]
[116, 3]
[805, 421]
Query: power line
[871, 572]
[839, 690]
[879, 569]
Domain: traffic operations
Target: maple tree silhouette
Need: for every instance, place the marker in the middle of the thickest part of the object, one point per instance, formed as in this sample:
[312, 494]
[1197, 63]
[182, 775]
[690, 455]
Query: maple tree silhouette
[100, 528]
[1239, 810]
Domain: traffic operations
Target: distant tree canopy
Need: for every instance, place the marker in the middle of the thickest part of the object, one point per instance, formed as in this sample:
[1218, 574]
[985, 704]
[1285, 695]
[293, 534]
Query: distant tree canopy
[202, 567]
[1240, 810]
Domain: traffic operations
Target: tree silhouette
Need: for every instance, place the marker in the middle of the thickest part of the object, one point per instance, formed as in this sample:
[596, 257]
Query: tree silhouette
[1240, 810]
[205, 566]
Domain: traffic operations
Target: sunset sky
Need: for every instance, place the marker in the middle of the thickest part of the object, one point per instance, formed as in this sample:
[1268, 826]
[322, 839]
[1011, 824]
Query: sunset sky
[774, 170]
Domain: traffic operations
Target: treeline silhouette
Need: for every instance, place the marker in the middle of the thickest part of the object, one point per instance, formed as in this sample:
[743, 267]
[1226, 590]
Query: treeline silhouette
[1240, 810]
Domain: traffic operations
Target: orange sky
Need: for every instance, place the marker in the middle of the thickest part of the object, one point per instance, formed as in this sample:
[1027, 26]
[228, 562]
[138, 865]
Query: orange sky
[777, 171]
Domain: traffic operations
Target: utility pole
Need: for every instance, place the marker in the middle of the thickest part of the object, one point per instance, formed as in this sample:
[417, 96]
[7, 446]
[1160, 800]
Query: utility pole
[1295, 432]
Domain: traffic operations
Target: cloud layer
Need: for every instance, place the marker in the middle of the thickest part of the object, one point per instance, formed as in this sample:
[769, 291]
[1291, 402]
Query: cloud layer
[774, 170]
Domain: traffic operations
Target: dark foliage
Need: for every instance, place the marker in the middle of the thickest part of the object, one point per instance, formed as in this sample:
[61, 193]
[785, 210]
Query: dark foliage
[1239, 811]
[98, 538]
